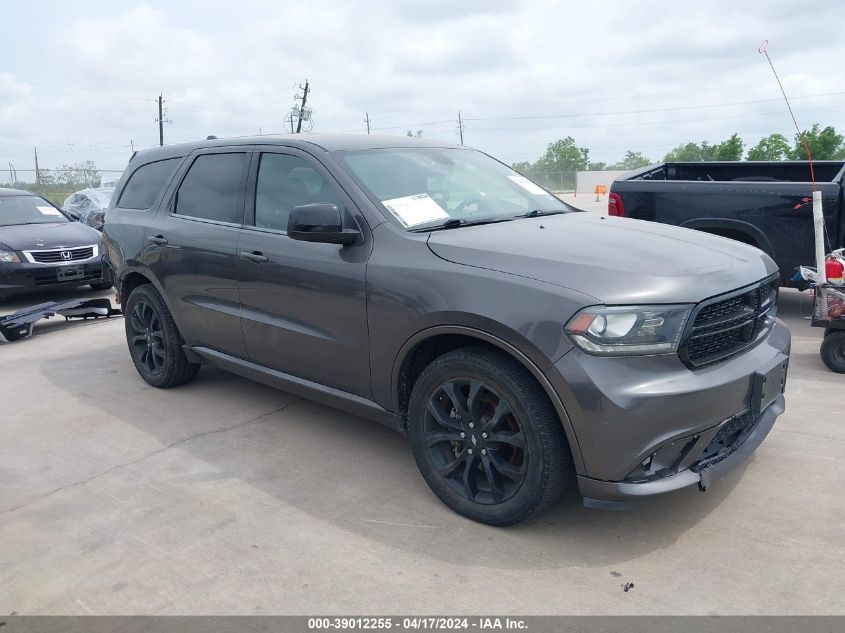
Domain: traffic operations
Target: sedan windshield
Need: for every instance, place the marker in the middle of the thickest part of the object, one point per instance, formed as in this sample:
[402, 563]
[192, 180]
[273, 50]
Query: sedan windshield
[28, 210]
[430, 187]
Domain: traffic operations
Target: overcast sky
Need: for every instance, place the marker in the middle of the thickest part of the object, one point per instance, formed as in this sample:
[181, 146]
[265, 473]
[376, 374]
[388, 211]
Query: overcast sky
[79, 79]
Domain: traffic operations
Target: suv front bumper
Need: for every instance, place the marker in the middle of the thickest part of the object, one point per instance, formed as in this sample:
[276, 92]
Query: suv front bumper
[649, 425]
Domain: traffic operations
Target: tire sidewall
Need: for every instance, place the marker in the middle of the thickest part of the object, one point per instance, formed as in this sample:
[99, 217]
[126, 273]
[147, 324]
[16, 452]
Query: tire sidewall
[148, 295]
[833, 342]
[431, 378]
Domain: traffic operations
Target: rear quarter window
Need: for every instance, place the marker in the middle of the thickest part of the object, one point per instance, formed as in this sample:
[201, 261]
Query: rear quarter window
[146, 183]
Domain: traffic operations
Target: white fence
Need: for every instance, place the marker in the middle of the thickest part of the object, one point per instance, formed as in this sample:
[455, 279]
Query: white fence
[587, 181]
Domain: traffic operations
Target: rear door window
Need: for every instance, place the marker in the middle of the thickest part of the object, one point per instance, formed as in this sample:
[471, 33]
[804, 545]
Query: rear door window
[146, 183]
[213, 188]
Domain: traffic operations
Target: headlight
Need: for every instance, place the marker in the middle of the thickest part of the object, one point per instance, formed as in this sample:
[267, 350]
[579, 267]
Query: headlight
[629, 330]
[9, 257]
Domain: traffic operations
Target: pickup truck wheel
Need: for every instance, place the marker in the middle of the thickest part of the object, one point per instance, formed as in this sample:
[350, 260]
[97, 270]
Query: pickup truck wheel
[154, 342]
[833, 351]
[486, 438]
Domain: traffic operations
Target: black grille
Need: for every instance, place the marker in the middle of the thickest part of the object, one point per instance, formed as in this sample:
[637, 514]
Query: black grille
[727, 439]
[720, 309]
[723, 327]
[55, 257]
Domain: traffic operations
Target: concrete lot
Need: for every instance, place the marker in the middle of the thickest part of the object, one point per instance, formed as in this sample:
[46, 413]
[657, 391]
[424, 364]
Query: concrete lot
[226, 496]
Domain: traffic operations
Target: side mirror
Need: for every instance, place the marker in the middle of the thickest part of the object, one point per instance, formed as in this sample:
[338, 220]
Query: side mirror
[319, 223]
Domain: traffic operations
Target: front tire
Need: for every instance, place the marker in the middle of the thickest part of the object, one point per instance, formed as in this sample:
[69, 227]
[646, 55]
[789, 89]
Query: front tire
[833, 351]
[486, 438]
[154, 341]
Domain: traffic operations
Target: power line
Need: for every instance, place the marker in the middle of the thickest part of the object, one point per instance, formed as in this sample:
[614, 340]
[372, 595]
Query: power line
[645, 111]
[115, 148]
[597, 114]
[662, 122]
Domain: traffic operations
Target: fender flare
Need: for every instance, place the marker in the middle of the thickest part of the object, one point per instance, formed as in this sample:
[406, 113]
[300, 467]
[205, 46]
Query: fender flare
[509, 349]
[145, 272]
[702, 224]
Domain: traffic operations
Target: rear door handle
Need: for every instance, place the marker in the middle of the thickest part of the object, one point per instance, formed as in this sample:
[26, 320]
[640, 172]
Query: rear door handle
[254, 256]
[157, 239]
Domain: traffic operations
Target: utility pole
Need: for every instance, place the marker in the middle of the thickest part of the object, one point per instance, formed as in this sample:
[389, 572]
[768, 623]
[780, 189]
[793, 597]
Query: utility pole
[302, 107]
[460, 127]
[367, 121]
[37, 173]
[160, 122]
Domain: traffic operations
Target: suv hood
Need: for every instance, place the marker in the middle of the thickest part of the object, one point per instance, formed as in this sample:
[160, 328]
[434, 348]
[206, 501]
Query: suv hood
[24, 237]
[616, 260]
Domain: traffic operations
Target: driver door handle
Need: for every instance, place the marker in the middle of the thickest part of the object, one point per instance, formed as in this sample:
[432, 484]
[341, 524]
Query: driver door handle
[254, 256]
[160, 240]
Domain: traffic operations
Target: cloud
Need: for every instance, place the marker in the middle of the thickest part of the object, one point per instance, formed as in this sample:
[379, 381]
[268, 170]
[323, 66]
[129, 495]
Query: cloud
[231, 70]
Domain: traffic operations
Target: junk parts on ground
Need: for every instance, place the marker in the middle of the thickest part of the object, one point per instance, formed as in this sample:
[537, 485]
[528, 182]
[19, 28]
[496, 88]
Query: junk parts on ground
[89, 205]
[17, 326]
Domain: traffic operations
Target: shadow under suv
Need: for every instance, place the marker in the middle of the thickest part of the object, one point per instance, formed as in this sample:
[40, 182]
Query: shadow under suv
[518, 342]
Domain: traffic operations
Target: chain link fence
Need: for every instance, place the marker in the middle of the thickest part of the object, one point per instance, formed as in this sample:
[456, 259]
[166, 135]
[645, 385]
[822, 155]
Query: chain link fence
[57, 184]
[556, 181]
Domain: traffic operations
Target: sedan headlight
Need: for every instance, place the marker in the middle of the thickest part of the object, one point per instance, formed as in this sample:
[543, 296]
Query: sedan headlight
[9, 257]
[629, 330]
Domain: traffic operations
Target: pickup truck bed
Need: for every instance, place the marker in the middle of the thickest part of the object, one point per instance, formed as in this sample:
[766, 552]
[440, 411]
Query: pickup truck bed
[765, 204]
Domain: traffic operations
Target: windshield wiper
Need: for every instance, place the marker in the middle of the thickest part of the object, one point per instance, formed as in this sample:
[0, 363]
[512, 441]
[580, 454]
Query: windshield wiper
[535, 213]
[454, 223]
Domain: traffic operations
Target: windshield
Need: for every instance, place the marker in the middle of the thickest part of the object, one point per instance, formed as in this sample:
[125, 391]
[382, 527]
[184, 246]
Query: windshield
[427, 187]
[28, 210]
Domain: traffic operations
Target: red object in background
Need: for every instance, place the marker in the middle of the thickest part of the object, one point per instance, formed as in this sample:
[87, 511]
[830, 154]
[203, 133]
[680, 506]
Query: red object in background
[833, 269]
[615, 206]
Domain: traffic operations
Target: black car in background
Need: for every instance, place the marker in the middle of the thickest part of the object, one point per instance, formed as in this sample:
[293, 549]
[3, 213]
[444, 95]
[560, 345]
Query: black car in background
[41, 248]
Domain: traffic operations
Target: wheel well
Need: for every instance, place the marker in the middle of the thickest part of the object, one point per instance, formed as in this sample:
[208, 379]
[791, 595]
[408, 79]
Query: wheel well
[425, 352]
[129, 283]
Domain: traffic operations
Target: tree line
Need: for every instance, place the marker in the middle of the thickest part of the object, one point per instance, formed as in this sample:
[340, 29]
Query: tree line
[824, 143]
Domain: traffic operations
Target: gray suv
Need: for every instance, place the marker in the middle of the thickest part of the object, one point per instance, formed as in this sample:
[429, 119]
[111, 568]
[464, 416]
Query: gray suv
[519, 343]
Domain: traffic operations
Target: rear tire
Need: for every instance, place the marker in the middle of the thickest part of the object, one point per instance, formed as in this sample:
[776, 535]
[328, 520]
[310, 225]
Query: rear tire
[155, 344]
[485, 437]
[833, 351]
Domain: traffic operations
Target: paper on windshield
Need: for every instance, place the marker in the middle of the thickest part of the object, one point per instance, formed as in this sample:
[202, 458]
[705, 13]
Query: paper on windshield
[417, 209]
[529, 186]
[48, 211]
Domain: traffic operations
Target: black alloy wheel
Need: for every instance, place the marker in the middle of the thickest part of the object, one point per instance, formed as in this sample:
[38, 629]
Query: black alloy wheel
[155, 344]
[486, 437]
[147, 339]
[475, 441]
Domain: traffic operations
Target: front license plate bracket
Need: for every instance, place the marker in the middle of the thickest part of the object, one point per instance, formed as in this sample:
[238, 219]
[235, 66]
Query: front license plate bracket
[69, 274]
[768, 385]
